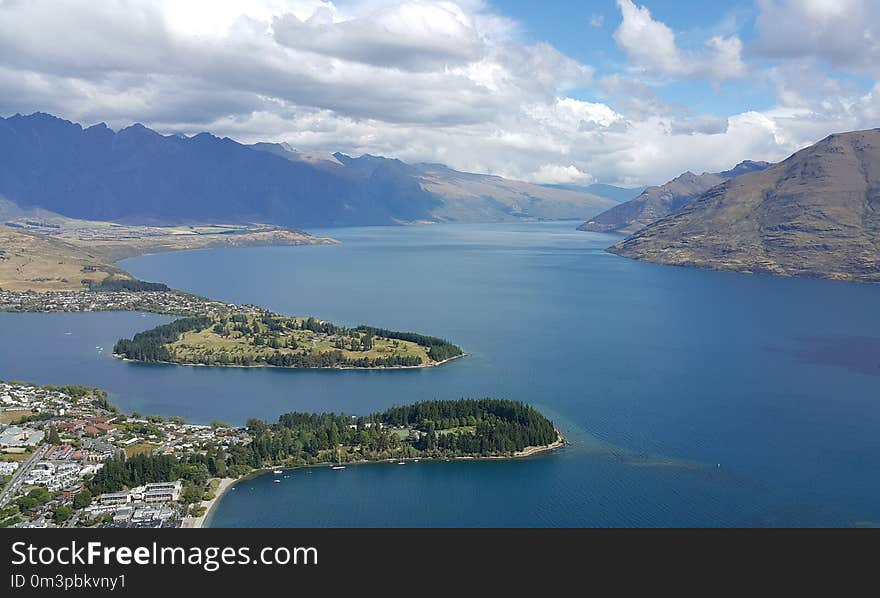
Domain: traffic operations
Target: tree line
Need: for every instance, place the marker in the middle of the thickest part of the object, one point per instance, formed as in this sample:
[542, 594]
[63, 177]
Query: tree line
[150, 345]
[431, 429]
[125, 284]
[438, 348]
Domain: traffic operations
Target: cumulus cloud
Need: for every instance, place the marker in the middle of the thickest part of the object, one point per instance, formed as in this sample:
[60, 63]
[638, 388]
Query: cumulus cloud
[692, 125]
[845, 33]
[449, 81]
[552, 174]
[413, 35]
[651, 46]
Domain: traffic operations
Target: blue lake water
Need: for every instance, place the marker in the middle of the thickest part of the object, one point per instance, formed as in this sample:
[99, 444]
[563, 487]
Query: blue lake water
[692, 398]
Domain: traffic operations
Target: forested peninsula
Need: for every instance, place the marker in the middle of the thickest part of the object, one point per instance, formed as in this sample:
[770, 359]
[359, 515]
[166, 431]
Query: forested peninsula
[465, 428]
[270, 340]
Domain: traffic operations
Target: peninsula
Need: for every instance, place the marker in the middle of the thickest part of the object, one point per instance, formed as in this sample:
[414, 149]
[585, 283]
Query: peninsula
[270, 340]
[71, 459]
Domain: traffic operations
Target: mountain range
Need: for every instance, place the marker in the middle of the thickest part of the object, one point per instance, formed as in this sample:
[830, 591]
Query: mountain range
[618, 194]
[138, 176]
[817, 213]
[656, 202]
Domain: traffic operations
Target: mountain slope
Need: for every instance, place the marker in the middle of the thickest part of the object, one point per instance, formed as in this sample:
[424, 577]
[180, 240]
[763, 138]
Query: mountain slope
[656, 202]
[38, 263]
[618, 194]
[815, 214]
[478, 197]
[464, 197]
[136, 175]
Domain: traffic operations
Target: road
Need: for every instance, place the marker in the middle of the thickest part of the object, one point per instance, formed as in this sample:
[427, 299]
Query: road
[21, 473]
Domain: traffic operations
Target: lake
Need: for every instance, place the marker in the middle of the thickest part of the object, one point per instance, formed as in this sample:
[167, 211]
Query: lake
[691, 398]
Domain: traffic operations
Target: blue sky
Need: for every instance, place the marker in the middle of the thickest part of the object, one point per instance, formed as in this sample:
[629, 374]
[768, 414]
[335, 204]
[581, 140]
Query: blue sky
[618, 91]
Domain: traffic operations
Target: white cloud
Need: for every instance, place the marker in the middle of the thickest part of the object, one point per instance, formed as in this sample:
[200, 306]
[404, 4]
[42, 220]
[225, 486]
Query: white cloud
[846, 33]
[693, 125]
[651, 47]
[412, 35]
[553, 174]
[421, 80]
[597, 21]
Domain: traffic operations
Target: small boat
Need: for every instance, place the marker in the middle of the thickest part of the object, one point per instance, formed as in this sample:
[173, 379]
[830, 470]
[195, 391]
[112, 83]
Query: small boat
[415, 460]
[338, 467]
[67, 333]
[277, 472]
[277, 481]
[401, 463]
[287, 476]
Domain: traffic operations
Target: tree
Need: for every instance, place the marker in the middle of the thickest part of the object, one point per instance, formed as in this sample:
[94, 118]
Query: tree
[61, 514]
[192, 494]
[82, 499]
[54, 438]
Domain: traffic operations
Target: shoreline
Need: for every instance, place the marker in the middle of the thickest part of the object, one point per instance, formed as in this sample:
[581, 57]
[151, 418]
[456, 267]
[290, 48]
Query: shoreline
[227, 484]
[222, 488]
[284, 367]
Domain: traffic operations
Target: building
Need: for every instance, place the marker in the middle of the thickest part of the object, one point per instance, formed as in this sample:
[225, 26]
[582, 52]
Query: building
[16, 436]
[123, 514]
[162, 492]
[114, 498]
[71, 491]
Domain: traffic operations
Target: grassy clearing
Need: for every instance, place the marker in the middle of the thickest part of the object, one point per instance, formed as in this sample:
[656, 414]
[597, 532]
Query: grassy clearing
[194, 345]
[15, 457]
[140, 448]
[10, 417]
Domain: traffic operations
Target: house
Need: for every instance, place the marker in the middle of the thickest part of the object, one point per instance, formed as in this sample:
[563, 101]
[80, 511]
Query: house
[71, 491]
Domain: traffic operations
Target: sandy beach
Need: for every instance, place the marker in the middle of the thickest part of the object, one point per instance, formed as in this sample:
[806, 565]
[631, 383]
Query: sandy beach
[196, 522]
[534, 450]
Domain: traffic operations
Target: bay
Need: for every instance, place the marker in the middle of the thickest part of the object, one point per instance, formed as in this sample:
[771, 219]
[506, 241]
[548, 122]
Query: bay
[691, 398]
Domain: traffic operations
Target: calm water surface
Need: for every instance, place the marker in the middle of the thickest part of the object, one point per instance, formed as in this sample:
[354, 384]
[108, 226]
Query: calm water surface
[691, 397]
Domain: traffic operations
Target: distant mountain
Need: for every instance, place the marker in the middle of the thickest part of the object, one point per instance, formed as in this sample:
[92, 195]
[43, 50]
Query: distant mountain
[612, 192]
[136, 175]
[465, 197]
[815, 214]
[656, 202]
[478, 197]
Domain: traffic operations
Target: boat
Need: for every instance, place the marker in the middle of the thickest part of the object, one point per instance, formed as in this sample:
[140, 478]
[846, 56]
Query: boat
[339, 464]
[277, 481]
[401, 463]
[277, 472]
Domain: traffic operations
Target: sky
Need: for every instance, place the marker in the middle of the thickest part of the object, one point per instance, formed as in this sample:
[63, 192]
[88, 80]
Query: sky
[627, 92]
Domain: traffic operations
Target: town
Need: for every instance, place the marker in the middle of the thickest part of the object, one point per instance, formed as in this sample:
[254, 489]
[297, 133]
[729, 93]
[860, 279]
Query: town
[53, 440]
[163, 302]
